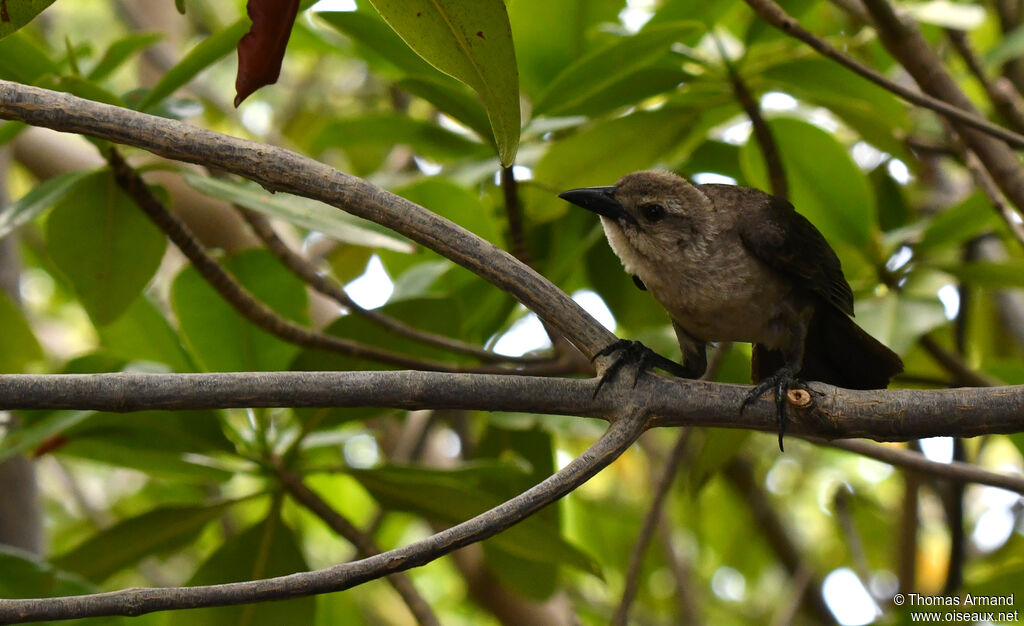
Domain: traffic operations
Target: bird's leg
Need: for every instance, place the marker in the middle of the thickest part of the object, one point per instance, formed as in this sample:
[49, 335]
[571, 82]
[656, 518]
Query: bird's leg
[784, 378]
[780, 382]
[644, 358]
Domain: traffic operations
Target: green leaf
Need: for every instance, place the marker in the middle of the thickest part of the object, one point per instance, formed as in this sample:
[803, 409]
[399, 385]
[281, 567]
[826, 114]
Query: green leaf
[898, 321]
[143, 334]
[157, 531]
[264, 550]
[595, 74]
[471, 41]
[19, 347]
[17, 13]
[455, 203]
[825, 185]
[104, 244]
[23, 61]
[375, 35]
[42, 197]
[452, 99]
[205, 54]
[304, 212]
[872, 111]
[162, 464]
[453, 496]
[993, 275]
[220, 339]
[386, 130]
[549, 36]
[23, 576]
[718, 447]
[603, 153]
[1009, 46]
[957, 224]
[120, 51]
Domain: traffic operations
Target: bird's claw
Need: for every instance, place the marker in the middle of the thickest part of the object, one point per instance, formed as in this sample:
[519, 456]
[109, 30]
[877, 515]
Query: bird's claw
[634, 352]
[780, 383]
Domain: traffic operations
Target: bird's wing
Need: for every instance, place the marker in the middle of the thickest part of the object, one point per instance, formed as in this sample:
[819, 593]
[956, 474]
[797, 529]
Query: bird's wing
[792, 246]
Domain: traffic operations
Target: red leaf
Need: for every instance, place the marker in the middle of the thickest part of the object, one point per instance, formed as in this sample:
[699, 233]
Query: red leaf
[261, 50]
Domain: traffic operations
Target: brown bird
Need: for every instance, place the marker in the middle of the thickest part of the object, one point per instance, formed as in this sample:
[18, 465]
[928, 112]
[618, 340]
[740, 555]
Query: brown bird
[733, 263]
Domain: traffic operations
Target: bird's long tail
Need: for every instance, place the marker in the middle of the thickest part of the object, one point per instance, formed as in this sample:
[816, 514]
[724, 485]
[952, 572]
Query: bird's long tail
[838, 352]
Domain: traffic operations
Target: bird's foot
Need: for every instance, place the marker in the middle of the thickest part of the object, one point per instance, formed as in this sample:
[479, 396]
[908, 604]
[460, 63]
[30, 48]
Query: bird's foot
[780, 382]
[634, 352]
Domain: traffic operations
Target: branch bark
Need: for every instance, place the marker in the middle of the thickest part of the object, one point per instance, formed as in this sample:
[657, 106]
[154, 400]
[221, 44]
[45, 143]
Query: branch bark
[278, 169]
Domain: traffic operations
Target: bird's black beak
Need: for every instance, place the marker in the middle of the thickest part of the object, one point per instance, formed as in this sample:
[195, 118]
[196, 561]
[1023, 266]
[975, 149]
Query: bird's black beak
[600, 200]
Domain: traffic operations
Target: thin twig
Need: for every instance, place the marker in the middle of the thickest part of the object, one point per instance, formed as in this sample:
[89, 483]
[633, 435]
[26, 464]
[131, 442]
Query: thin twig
[242, 300]
[308, 273]
[763, 134]
[616, 440]
[908, 459]
[988, 186]
[777, 17]
[1006, 101]
[952, 363]
[364, 544]
[651, 521]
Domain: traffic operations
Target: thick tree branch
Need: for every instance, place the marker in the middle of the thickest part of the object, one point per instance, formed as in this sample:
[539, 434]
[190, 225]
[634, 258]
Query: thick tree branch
[619, 437]
[283, 170]
[827, 412]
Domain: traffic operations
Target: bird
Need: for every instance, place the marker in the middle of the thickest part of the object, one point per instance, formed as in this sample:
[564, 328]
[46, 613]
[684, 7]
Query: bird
[732, 263]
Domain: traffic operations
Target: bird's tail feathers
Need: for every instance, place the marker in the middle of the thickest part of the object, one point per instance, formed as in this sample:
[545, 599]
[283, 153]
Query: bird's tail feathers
[838, 352]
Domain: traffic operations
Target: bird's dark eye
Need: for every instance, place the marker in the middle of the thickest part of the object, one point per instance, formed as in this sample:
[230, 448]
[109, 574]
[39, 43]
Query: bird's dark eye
[652, 212]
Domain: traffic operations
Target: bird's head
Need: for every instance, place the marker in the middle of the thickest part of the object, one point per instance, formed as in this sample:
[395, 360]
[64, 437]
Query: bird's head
[649, 217]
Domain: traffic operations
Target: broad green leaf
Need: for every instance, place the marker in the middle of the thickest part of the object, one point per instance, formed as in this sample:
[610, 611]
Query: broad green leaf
[471, 41]
[385, 130]
[220, 339]
[876, 114]
[825, 185]
[993, 275]
[143, 334]
[162, 464]
[455, 203]
[9, 130]
[898, 321]
[304, 212]
[42, 197]
[17, 13]
[457, 495]
[372, 33]
[549, 36]
[169, 431]
[265, 550]
[592, 75]
[1009, 47]
[30, 436]
[452, 99]
[19, 347]
[83, 88]
[104, 244]
[157, 531]
[603, 153]
[23, 61]
[718, 447]
[205, 54]
[25, 576]
[119, 52]
[705, 12]
[957, 224]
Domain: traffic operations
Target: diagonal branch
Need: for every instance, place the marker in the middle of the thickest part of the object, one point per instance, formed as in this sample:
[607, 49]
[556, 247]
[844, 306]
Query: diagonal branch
[308, 273]
[241, 299]
[774, 14]
[283, 170]
[619, 437]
